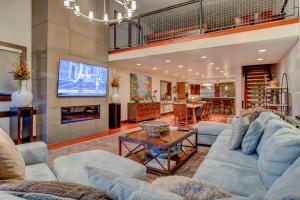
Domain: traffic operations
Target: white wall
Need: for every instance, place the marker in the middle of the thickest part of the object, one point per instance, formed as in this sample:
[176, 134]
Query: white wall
[15, 23]
[124, 90]
[290, 64]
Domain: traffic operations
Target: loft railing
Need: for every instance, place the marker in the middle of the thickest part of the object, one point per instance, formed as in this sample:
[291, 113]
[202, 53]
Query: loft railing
[198, 17]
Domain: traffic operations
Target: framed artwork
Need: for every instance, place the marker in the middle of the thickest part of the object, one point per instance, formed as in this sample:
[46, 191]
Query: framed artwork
[141, 85]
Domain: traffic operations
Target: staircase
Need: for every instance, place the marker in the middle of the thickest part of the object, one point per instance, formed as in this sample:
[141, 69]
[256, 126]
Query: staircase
[255, 85]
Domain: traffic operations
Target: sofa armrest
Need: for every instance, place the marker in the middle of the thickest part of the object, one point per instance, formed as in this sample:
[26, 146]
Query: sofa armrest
[34, 153]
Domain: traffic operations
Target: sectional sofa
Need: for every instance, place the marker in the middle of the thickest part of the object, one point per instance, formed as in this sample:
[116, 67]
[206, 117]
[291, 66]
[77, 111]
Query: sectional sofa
[272, 172]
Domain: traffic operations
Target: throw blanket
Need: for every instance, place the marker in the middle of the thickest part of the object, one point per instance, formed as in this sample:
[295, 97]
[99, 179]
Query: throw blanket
[60, 189]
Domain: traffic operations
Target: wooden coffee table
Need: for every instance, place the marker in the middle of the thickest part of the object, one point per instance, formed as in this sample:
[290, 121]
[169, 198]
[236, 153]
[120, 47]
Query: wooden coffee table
[164, 160]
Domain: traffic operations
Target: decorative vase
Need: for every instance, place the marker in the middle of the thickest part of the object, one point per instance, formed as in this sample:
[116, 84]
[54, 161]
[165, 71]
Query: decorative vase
[22, 97]
[115, 97]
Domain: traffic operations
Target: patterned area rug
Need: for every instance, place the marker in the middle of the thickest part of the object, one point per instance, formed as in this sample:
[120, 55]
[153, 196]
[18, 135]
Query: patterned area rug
[110, 144]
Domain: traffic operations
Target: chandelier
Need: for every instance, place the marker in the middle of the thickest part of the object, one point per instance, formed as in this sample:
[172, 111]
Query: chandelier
[128, 5]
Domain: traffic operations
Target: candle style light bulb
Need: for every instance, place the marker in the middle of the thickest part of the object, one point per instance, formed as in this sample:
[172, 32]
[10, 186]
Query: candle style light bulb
[67, 3]
[133, 5]
[91, 15]
[119, 17]
[129, 13]
[76, 10]
[105, 18]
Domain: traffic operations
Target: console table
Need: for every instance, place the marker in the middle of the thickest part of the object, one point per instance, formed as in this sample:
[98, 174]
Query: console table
[143, 111]
[21, 124]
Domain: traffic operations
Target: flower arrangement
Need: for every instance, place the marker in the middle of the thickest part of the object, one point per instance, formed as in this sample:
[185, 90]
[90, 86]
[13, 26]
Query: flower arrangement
[136, 97]
[115, 82]
[21, 73]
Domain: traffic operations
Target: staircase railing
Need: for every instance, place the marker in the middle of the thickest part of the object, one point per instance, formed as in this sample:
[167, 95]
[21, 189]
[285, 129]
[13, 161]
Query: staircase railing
[198, 17]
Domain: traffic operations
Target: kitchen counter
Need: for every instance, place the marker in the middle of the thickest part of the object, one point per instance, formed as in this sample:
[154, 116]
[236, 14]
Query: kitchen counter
[221, 105]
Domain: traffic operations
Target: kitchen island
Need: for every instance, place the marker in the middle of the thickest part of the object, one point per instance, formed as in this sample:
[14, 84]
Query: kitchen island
[221, 105]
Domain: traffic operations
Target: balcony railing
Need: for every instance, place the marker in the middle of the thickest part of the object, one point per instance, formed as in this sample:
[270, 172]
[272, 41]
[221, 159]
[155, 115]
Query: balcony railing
[198, 17]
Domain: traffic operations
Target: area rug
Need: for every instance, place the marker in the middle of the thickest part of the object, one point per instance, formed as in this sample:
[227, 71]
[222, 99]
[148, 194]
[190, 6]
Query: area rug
[110, 143]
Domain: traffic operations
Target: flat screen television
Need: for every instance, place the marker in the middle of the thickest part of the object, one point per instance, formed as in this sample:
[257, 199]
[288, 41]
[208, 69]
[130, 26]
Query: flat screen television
[81, 80]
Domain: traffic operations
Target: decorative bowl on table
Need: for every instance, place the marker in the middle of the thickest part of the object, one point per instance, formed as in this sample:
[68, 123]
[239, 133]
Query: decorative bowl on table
[155, 128]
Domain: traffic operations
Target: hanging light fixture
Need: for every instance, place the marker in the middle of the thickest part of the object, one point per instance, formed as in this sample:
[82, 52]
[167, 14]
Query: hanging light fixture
[128, 5]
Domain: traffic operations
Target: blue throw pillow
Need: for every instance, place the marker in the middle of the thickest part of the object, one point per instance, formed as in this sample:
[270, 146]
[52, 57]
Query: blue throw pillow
[252, 137]
[266, 116]
[238, 132]
[271, 127]
[277, 154]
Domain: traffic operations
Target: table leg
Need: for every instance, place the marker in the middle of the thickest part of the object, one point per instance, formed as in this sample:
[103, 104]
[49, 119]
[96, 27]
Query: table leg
[169, 160]
[120, 147]
[19, 127]
[31, 125]
[194, 116]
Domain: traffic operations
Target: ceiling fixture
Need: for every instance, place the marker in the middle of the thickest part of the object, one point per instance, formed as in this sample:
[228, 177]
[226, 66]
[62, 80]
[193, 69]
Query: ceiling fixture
[180, 66]
[203, 57]
[168, 61]
[190, 70]
[139, 64]
[260, 59]
[262, 50]
[197, 73]
[154, 68]
[166, 72]
[217, 68]
[128, 5]
[222, 71]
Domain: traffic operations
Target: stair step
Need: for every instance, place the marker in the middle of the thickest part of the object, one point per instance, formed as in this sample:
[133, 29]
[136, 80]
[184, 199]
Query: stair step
[258, 73]
[255, 80]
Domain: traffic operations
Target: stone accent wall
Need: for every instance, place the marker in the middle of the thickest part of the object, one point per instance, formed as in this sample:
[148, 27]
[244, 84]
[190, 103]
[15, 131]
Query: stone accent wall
[57, 33]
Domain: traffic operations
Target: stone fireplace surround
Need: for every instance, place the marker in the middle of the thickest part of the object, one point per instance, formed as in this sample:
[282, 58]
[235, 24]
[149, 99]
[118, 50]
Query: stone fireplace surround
[57, 33]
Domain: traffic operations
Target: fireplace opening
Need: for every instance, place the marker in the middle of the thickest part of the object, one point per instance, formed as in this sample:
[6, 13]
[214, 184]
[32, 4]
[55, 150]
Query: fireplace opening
[73, 114]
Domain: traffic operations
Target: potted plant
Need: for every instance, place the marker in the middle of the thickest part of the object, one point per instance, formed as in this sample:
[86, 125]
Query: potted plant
[115, 84]
[136, 98]
[22, 97]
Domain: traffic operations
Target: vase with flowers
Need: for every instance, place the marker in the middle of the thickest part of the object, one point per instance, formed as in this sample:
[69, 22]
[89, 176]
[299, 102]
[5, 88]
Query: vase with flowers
[22, 97]
[115, 84]
[136, 97]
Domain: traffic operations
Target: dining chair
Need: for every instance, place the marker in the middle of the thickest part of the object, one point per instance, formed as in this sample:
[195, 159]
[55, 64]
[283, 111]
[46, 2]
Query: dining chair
[182, 115]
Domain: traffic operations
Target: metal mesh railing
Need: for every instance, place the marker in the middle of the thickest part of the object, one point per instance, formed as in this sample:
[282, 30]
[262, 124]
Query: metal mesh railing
[198, 17]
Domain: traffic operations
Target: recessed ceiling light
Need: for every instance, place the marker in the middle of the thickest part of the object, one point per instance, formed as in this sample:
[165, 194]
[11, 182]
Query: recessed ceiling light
[139, 64]
[166, 72]
[225, 74]
[180, 66]
[190, 70]
[262, 50]
[203, 57]
[211, 63]
[221, 71]
[168, 61]
[260, 59]
[217, 68]
[154, 68]
[197, 73]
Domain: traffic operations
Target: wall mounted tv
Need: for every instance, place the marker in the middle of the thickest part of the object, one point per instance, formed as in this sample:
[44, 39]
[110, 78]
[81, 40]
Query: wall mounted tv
[81, 80]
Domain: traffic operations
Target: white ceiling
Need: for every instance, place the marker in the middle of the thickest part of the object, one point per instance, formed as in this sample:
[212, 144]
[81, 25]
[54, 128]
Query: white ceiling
[227, 58]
